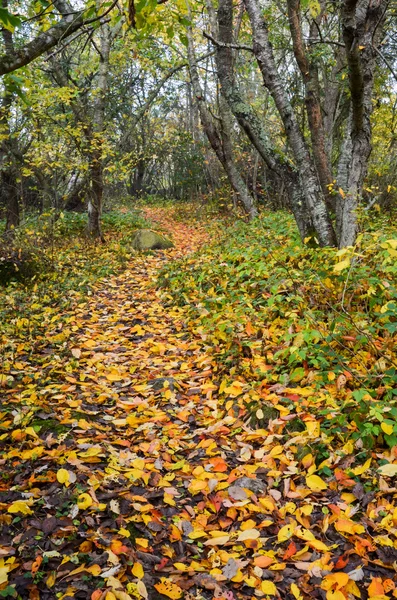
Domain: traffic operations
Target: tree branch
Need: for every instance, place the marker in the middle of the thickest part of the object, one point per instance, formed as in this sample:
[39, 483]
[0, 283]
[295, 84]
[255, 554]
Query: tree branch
[224, 45]
[69, 24]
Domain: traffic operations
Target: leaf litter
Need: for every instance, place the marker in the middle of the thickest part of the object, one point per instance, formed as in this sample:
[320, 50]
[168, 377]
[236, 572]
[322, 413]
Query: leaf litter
[129, 469]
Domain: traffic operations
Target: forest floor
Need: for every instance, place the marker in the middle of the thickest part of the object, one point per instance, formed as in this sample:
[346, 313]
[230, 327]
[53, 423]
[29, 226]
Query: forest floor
[130, 468]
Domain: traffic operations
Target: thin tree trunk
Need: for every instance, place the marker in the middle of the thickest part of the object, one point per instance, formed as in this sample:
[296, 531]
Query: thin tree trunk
[7, 159]
[219, 139]
[249, 120]
[362, 25]
[309, 180]
[309, 74]
[96, 163]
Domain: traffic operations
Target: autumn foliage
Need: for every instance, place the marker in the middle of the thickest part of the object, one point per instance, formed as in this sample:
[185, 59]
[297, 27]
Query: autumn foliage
[213, 421]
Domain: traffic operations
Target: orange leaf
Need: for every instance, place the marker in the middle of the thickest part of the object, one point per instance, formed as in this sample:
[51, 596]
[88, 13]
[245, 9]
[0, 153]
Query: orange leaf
[376, 587]
[263, 561]
[335, 581]
[168, 588]
[219, 465]
[118, 547]
[290, 551]
[36, 564]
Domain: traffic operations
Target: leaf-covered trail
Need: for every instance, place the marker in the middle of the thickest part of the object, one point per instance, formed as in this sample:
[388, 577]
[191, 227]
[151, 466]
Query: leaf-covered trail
[126, 476]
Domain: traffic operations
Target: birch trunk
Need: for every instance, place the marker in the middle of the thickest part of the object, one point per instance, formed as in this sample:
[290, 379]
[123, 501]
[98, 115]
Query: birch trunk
[362, 25]
[249, 121]
[311, 188]
[219, 138]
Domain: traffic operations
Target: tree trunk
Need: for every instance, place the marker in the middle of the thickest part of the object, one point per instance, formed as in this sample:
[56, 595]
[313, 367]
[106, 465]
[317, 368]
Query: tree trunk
[96, 161]
[7, 158]
[219, 139]
[250, 122]
[10, 191]
[362, 25]
[312, 190]
[309, 74]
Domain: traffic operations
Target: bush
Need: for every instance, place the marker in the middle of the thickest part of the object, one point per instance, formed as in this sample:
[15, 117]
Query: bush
[318, 320]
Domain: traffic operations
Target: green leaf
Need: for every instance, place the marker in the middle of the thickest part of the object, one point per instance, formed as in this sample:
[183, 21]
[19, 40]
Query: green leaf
[8, 20]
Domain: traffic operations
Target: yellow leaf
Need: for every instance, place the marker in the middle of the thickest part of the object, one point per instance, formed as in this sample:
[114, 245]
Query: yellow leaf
[143, 542]
[84, 501]
[335, 595]
[137, 570]
[335, 580]
[124, 532]
[63, 476]
[31, 431]
[120, 595]
[365, 466]
[197, 485]
[181, 566]
[3, 572]
[168, 499]
[342, 265]
[168, 588]
[268, 587]
[235, 389]
[94, 570]
[218, 541]
[389, 470]
[295, 592]
[348, 526]
[248, 534]
[19, 506]
[51, 579]
[388, 429]
[114, 377]
[315, 483]
[286, 532]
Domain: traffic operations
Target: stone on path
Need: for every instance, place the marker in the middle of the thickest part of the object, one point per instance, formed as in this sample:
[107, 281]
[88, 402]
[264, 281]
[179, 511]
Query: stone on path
[145, 239]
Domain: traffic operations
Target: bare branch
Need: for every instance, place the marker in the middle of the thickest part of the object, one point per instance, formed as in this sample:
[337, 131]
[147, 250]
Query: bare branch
[224, 45]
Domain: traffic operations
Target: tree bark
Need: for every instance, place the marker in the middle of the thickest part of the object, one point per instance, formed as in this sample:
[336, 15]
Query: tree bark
[250, 122]
[7, 159]
[362, 25]
[309, 74]
[95, 200]
[311, 188]
[219, 138]
[69, 24]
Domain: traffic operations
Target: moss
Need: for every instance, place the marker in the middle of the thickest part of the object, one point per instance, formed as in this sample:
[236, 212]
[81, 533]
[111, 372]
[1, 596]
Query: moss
[145, 239]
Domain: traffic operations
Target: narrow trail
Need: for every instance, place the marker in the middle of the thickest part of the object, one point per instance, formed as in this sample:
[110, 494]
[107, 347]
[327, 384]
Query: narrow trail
[125, 476]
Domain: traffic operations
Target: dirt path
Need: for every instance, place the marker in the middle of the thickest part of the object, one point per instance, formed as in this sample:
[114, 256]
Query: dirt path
[128, 440]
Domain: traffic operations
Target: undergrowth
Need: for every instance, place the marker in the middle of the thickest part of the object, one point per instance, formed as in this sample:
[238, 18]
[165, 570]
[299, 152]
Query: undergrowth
[318, 322]
[54, 263]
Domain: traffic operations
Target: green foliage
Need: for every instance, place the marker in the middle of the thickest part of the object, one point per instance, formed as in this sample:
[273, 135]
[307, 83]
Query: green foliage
[315, 319]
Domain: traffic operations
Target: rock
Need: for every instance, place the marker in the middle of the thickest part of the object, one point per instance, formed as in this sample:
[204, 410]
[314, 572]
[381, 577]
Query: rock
[145, 239]
[254, 485]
